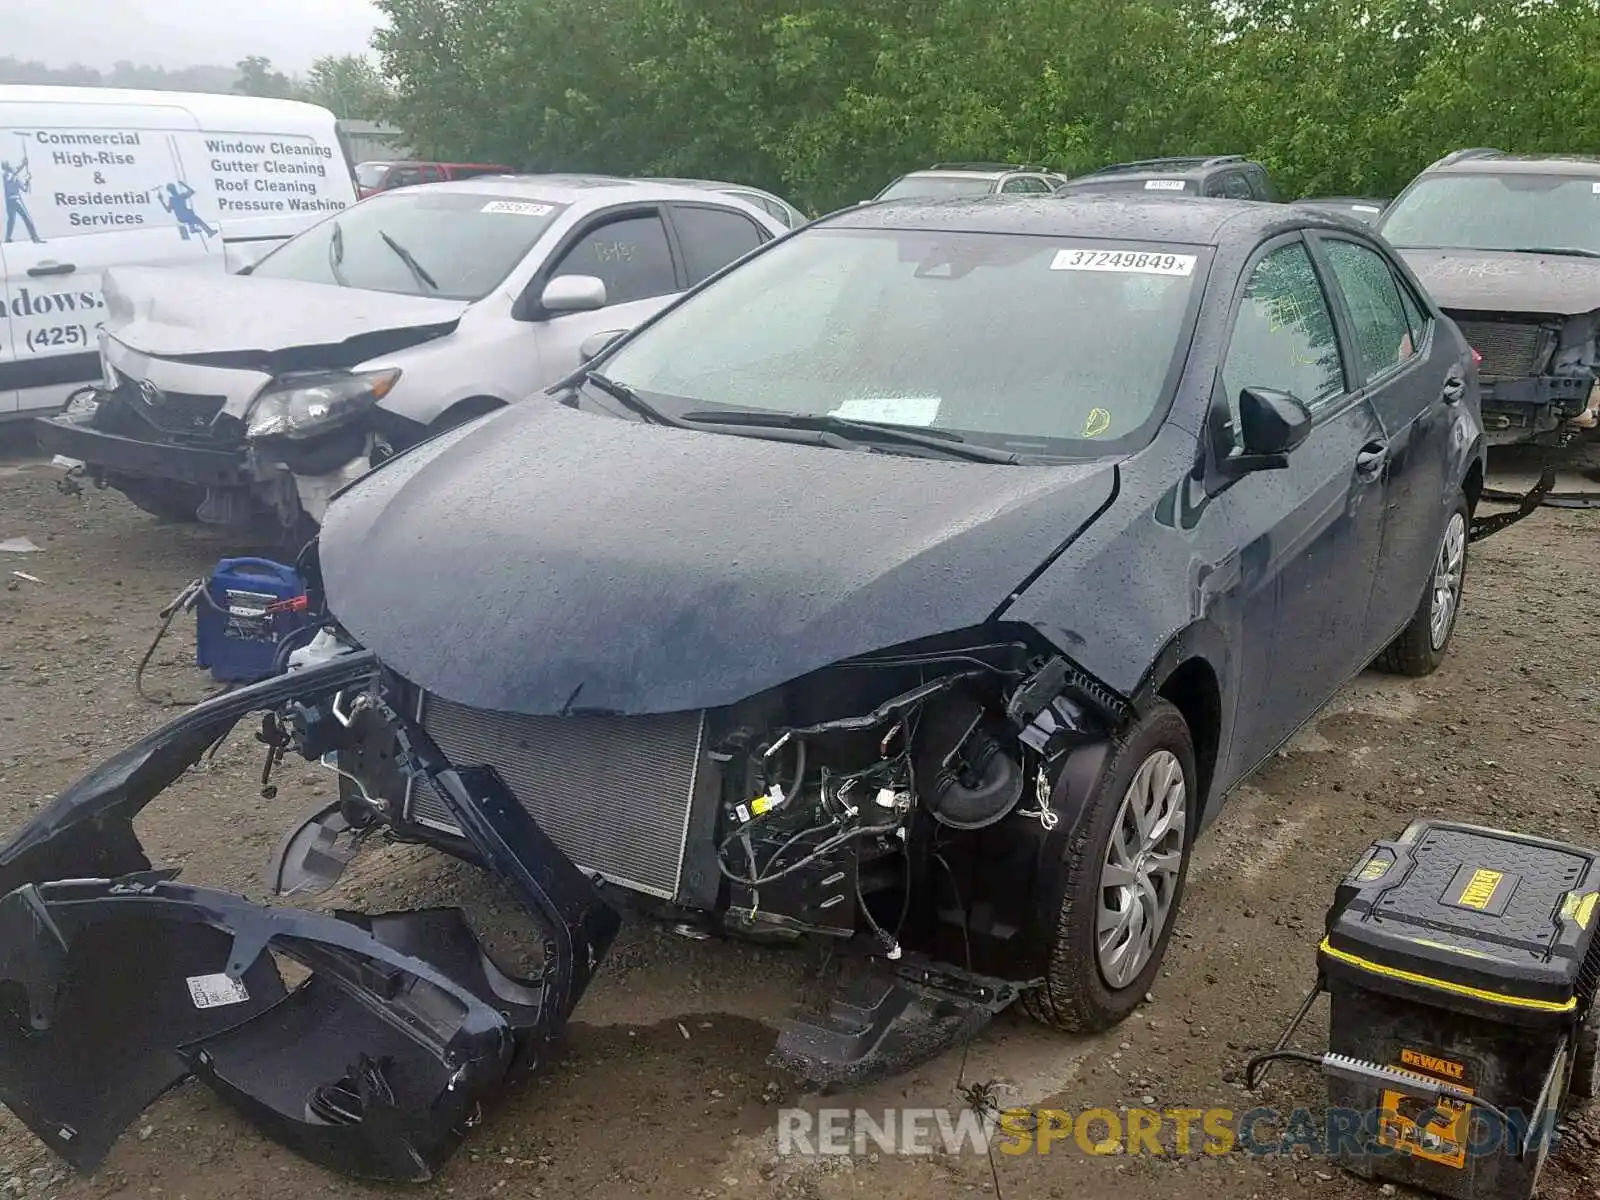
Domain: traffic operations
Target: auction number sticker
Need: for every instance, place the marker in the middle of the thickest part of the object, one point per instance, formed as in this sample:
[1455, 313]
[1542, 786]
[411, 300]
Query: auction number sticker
[1139, 262]
[1163, 185]
[216, 991]
[521, 208]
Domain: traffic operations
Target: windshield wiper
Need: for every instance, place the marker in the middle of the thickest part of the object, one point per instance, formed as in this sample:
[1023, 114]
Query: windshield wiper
[410, 261]
[629, 398]
[336, 255]
[941, 440]
[1574, 251]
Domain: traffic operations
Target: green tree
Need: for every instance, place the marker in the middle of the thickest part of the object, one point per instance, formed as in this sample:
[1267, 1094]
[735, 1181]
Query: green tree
[347, 84]
[258, 78]
[826, 100]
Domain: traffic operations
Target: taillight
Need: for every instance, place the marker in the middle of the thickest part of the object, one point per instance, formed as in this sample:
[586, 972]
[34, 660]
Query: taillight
[1477, 359]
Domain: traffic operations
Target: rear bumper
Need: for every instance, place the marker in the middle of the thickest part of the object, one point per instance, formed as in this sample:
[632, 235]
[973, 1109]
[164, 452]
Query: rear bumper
[109, 452]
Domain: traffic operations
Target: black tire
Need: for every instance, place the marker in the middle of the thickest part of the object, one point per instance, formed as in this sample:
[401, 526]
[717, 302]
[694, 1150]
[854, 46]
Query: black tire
[162, 498]
[1585, 1083]
[1077, 995]
[1417, 651]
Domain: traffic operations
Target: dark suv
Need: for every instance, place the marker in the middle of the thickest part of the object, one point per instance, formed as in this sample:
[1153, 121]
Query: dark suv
[1509, 245]
[972, 179]
[1230, 175]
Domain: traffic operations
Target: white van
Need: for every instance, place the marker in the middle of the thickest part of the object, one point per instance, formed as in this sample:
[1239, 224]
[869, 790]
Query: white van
[92, 178]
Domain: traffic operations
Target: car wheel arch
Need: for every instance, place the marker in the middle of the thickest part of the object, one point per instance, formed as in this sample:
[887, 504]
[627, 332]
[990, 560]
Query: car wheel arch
[1187, 675]
[1472, 484]
[464, 410]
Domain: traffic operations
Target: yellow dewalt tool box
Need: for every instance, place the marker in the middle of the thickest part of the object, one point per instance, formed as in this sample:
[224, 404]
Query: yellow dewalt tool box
[1461, 965]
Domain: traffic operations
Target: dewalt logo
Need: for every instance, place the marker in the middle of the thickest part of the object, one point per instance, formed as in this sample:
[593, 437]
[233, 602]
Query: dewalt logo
[1480, 889]
[1441, 1067]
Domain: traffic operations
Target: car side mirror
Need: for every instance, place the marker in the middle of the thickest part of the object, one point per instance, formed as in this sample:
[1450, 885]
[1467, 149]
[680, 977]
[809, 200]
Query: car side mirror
[1271, 424]
[594, 345]
[573, 293]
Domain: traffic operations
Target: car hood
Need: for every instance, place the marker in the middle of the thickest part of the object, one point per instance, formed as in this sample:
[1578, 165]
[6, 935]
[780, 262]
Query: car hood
[1503, 281]
[266, 324]
[546, 560]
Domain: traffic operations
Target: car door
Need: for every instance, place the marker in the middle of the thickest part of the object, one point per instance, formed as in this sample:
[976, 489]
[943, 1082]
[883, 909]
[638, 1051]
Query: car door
[630, 251]
[1310, 533]
[708, 237]
[1412, 379]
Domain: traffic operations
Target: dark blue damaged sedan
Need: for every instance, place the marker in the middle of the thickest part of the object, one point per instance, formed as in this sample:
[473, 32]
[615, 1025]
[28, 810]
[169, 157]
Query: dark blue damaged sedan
[923, 581]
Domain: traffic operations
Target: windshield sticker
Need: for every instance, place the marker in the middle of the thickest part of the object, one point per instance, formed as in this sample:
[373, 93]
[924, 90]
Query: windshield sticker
[1138, 262]
[521, 208]
[1163, 185]
[1595, 188]
[1098, 421]
[891, 410]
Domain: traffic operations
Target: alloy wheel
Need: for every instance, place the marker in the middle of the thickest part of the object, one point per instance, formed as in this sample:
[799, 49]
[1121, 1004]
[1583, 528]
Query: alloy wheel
[1139, 877]
[1447, 572]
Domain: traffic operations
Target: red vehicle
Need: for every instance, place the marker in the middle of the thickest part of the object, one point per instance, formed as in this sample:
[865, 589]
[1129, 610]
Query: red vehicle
[381, 176]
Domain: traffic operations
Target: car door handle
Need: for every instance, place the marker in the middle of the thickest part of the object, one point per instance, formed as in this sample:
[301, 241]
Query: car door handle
[53, 268]
[1455, 387]
[1369, 462]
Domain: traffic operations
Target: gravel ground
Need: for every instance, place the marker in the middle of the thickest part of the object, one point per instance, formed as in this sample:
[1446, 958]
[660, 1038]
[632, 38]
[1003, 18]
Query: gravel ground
[664, 1090]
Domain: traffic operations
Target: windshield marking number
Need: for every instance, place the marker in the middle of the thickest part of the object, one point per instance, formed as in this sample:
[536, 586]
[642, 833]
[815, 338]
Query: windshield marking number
[1133, 261]
[1163, 185]
[520, 208]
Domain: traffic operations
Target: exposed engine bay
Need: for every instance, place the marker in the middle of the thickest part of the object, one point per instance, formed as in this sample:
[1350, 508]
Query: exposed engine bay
[911, 804]
[1538, 375]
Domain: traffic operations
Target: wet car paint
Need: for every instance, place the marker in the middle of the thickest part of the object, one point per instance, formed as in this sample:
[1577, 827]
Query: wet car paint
[660, 569]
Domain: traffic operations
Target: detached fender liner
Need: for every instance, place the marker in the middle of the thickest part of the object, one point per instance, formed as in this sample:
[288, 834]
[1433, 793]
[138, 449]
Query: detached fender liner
[371, 1054]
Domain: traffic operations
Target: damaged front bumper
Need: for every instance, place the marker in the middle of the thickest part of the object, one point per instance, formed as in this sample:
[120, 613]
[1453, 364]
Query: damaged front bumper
[115, 440]
[366, 1043]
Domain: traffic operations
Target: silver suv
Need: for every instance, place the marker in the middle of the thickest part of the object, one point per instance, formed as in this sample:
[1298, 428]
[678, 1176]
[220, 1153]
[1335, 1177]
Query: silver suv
[972, 179]
[226, 398]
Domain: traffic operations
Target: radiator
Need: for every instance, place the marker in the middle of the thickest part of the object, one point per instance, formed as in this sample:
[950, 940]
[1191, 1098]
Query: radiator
[1510, 349]
[613, 793]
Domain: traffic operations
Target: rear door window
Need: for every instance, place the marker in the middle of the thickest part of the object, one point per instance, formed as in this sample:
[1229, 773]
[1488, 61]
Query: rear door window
[1383, 332]
[1236, 187]
[629, 254]
[711, 238]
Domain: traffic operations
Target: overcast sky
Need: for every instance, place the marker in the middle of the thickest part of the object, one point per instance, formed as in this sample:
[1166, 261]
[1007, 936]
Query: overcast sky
[183, 33]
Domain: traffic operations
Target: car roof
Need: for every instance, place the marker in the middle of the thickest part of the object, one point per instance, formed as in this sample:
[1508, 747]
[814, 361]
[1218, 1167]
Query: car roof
[208, 108]
[715, 185]
[1136, 216]
[570, 189]
[1495, 162]
[955, 173]
[1183, 166]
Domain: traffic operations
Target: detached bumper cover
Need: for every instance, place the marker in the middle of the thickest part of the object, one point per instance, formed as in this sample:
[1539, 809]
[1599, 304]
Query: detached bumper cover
[120, 982]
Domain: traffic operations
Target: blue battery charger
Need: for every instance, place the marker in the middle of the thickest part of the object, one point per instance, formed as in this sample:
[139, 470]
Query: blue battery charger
[244, 616]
